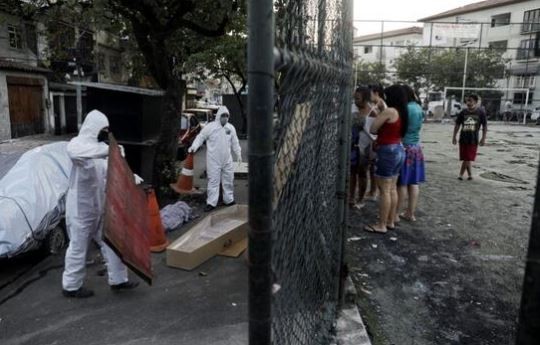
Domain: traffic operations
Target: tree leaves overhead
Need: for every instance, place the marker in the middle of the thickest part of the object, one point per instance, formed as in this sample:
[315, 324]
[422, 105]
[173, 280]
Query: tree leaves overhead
[370, 73]
[433, 69]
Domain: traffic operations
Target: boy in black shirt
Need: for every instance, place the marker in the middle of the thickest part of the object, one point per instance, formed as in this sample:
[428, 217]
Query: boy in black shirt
[470, 120]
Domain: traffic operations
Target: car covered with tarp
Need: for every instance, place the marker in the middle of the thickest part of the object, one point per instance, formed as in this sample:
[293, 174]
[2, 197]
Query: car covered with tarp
[32, 200]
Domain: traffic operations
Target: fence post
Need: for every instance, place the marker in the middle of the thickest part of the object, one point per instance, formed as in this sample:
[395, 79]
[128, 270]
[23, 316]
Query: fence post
[344, 147]
[260, 147]
[528, 331]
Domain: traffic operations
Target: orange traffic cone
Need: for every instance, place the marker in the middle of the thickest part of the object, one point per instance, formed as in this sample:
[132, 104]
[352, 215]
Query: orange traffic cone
[158, 241]
[184, 184]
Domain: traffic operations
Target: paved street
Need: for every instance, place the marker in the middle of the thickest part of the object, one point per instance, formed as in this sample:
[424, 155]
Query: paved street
[206, 306]
[454, 276]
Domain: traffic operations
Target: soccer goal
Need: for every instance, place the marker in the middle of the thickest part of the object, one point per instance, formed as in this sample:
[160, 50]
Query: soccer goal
[504, 90]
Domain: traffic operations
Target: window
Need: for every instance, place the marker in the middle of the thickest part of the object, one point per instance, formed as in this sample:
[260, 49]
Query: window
[31, 38]
[193, 122]
[526, 49]
[525, 81]
[14, 34]
[184, 123]
[368, 49]
[519, 98]
[500, 20]
[531, 21]
[115, 65]
[498, 45]
[102, 63]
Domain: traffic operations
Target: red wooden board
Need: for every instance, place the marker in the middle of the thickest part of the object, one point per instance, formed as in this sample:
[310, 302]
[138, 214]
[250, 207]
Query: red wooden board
[127, 223]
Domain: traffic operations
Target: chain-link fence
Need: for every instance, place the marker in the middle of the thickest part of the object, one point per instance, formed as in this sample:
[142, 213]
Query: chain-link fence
[497, 60]
[312, 97]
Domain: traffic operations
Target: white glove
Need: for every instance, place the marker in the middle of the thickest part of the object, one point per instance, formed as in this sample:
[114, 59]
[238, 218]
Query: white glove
[138, 179]
[239, 161]
[122, 151]
[191, 150]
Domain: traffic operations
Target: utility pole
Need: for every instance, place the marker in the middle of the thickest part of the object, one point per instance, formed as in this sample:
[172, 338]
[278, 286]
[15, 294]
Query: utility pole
[464, 75]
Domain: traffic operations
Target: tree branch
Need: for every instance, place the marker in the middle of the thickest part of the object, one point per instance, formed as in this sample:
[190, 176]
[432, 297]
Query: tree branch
[182, 8]
[219, 31]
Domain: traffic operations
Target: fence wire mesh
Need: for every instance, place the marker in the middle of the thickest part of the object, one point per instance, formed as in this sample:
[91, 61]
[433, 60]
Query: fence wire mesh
[312, 98]
[497, 60]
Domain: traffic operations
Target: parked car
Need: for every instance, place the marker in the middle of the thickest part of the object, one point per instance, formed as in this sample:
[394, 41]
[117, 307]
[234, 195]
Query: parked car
[189, 128]
[204, 115]
[535, 115]
[32, 201]
[214, 109]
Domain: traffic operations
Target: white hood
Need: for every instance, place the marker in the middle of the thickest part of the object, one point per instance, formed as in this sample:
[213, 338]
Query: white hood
[222, 110]
[94, 122]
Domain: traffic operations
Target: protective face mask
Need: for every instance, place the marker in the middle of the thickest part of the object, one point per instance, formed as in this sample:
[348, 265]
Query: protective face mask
[102, 136]
[224, 120]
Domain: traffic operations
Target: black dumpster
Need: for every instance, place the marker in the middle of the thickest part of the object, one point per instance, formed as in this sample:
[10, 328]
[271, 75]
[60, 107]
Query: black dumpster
[135, 119]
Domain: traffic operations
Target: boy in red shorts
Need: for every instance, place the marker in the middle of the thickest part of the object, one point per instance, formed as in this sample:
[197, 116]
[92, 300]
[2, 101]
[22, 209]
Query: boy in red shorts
[470, 120]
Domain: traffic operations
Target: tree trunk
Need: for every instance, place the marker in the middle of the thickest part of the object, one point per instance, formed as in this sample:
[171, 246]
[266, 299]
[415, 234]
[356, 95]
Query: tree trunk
[238, 95]
[164, 160]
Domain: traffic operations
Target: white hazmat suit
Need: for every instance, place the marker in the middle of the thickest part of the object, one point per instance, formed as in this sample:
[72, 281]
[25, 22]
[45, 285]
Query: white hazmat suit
[220, 140]
[85, 204]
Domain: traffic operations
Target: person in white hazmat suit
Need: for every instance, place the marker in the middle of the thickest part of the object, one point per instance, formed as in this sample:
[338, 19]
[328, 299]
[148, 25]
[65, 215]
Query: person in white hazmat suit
[221, 138]
[85, 208]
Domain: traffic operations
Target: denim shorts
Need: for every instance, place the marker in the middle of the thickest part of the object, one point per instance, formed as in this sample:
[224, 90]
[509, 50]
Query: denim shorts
[390, 158]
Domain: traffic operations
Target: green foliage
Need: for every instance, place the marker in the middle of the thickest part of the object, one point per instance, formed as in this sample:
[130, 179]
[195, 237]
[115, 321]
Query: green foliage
[370, 73]
[413, 67]
[225, 56]
[433, 69]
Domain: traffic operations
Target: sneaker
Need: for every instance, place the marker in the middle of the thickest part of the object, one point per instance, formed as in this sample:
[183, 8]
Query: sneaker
[209, 208]
[129, 285]
[232, 203]
[81, 293]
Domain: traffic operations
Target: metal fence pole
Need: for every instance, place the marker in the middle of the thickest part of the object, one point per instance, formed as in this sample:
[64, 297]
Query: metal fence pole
[344, 149]
[260, 147]
[528, 331]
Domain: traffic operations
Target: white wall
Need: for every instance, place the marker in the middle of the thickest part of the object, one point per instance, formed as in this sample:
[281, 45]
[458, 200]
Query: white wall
[389, 53]
[23, 55]
[510, 33]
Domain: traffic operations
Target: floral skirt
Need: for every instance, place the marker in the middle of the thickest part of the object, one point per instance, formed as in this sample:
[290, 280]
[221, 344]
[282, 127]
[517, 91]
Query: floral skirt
[412, 170]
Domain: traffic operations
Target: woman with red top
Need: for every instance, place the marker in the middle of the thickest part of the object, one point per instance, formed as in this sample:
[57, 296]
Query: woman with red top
[390, 126]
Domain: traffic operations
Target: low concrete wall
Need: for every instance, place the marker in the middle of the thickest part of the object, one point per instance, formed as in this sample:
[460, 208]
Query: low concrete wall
[5, 124]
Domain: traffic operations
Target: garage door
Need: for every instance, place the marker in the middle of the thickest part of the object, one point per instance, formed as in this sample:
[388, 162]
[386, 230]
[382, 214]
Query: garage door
[25, 106]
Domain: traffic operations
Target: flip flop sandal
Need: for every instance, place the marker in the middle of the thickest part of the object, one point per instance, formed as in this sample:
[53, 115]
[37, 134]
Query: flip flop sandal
[407, 218]
[370, 228]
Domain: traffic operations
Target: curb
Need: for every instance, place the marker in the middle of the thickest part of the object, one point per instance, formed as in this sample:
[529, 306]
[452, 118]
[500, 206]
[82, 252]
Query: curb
[350, 327]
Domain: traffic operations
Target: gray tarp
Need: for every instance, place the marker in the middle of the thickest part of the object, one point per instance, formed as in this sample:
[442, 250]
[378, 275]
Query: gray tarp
[32, 197]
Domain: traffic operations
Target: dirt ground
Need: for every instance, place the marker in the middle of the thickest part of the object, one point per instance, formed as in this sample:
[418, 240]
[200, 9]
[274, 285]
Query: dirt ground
[455, 275]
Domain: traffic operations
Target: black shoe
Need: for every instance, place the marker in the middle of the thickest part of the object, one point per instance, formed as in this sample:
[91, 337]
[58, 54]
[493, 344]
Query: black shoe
[209, 208]
[232, 203]
[81, 293]
[129, 285]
